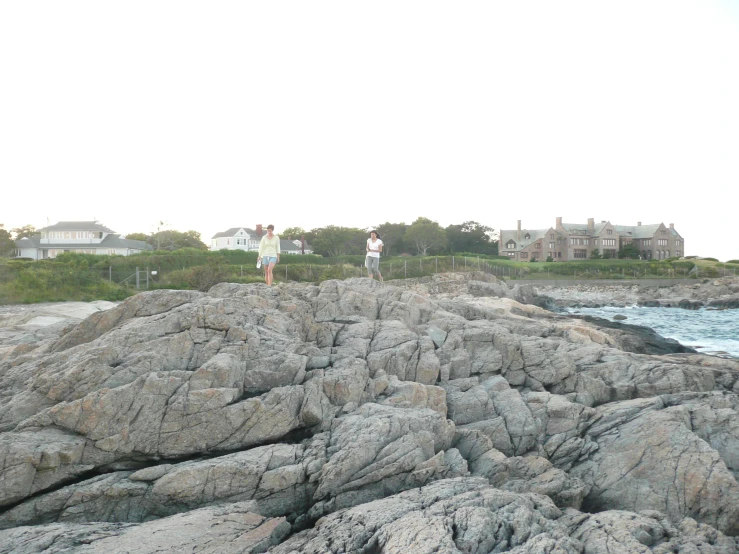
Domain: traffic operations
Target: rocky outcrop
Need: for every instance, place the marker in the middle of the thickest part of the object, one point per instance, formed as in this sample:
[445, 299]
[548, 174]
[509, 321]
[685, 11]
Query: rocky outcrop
[233, 528]
[721, 293]
[307, 410]
[635, 338]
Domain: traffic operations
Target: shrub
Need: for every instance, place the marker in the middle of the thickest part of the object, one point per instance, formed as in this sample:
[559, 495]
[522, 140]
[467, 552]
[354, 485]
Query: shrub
[203, 277]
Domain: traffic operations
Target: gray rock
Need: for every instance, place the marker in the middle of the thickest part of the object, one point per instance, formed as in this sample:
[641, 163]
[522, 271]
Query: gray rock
[229, 529]
[318, 403]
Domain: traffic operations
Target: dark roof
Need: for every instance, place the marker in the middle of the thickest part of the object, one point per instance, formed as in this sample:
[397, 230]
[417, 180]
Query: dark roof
[290, 246]
[110, 241]
[638, 231]
[77, 226]
[508, 235]
[232, 232]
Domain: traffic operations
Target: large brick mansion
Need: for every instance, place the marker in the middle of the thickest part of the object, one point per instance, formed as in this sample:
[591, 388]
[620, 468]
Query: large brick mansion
[576, 241]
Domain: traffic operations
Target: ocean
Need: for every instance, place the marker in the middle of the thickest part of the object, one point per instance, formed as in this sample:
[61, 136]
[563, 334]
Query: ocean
[708, 331]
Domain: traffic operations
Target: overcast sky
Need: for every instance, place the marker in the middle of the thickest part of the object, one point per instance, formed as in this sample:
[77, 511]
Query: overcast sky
[210, 115]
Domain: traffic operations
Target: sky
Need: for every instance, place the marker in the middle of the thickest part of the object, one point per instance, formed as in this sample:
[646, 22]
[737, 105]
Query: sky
[211, 115]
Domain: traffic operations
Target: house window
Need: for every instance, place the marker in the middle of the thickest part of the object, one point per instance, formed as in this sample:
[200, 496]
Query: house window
[551, 236]
[510, 245]
[527, 237]
[551, 246]
[609, 231]
[662, 232]
[609, 242]
[511, 254]
[582, 254]
[647, 242]
[559, 254]
[524, 255]
[678, 243]
[661, 242]
[538, 245]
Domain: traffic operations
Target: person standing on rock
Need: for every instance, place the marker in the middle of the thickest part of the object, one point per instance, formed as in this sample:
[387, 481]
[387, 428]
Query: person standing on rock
[374, 247]
[269, 251]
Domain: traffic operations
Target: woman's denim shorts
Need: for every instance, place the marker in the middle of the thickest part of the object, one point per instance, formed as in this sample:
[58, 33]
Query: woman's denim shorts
[266, 260]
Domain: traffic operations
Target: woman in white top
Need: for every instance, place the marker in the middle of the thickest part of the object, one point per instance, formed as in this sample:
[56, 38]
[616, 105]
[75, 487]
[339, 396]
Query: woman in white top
[269, 251]
[374, 247]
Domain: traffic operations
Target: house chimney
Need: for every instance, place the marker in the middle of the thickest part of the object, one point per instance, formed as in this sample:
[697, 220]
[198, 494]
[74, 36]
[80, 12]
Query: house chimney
[672, 225]
[602, 220]
[559, 223]
[638, 223]
[591, 225]
[518, 234]
[259, 229]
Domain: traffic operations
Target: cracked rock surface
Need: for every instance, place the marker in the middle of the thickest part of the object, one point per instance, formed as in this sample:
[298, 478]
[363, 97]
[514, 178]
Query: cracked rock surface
[447, 414]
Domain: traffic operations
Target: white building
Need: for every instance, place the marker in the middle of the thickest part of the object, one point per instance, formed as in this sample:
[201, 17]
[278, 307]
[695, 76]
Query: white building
[236, 238]
[84, 237]
[244, 238]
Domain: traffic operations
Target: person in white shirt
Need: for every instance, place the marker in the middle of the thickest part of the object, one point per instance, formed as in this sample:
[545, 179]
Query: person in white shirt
[269, 251]
[374, 247]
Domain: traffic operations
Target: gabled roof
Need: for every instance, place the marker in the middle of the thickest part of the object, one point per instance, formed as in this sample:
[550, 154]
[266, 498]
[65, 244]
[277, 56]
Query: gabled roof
[576, 228]
[116, 241]
[290, 246]
[232, 233]
[110, 241]
[534, 235]
[77, 226]
[637, 231]
[598, 229]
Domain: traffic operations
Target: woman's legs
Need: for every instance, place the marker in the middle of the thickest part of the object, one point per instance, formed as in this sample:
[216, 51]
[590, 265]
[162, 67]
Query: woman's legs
[270, 267]
[373, 267]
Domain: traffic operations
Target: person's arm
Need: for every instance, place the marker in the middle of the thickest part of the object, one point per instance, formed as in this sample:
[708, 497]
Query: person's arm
[368, 245]
[380, 248]
[261, 247]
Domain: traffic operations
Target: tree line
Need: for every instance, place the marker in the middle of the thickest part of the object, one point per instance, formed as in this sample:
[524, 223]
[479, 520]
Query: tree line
[162, 239]
[423, 237]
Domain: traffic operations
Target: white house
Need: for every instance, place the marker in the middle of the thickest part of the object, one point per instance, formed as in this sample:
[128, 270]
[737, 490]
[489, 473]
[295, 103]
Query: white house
[237, 238]
[244, 238]
[84, 237]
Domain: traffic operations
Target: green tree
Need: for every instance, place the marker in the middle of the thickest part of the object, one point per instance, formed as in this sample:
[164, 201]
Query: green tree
[595, 254]
[23, 232]
[392, 235]
[629, 251]
[336, 241]
[7, 244]
[292, 233]
[138, 236]
[426, 235]
[471, 236]
[174, 240]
